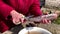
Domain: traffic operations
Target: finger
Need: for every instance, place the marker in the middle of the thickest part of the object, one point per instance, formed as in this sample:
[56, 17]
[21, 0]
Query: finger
[22, 20]
[16, 22]
[44, 21]
[49, 21]
[13, 20]
[21, 16]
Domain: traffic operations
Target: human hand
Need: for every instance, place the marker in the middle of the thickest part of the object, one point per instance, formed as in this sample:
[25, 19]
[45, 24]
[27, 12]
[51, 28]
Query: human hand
[46, 21]
[17, 17]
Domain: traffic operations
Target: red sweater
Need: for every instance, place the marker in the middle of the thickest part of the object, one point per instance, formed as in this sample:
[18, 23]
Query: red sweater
[22, 6]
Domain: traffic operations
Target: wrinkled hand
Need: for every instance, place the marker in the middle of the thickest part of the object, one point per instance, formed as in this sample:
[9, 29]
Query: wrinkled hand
[17, 17]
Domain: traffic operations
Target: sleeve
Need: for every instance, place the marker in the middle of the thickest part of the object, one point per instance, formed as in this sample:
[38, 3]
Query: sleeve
[35, 8]
[5, 9]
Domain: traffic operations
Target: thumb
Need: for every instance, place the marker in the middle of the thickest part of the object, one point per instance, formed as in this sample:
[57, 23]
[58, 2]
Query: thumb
[16, 22]
[22, 20]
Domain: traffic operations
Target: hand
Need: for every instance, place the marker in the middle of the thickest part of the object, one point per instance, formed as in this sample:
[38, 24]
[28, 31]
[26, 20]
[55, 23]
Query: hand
[17, 17]
[46, 21]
